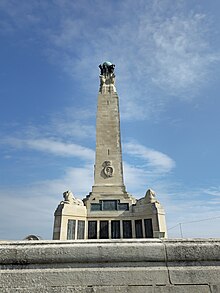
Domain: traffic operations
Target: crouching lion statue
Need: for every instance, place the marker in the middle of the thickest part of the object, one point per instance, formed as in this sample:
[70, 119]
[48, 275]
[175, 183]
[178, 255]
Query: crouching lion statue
[69, 198]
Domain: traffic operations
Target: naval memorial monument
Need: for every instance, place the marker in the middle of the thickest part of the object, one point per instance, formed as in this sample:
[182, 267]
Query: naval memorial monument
[110, 245]
[109, 211]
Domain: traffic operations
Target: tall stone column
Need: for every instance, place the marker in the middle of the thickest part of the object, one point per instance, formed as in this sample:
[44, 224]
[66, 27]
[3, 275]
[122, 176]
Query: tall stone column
[109, 211]
[108, 173]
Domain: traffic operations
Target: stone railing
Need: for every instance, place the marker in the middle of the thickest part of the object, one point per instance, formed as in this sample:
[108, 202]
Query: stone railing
[135, 266]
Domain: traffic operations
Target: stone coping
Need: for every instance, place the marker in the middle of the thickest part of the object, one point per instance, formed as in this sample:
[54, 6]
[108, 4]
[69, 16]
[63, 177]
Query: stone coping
[109, 251]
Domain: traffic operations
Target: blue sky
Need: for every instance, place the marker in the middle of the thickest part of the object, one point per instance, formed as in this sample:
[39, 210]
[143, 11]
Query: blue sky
[167, 56]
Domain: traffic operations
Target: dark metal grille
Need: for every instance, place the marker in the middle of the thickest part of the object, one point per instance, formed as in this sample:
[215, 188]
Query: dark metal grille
[71, 226]
[115, 229]
[92, 230]
[104, 230]
[148, 228]
[81, 230]
[127, 230]
[138, 229]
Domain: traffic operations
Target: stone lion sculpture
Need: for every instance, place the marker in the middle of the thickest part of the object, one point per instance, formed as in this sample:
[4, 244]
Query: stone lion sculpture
[69, 198]
[150, 196]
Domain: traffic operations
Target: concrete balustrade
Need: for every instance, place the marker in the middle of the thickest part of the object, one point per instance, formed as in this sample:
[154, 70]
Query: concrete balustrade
[133, 265]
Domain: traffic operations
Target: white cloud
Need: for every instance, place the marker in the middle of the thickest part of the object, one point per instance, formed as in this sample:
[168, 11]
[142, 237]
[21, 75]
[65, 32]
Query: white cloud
[197, 211]
[182, 53]
[32, 207]
[212, 190]
[155, 159]
[163, 52]
[64, 135]
[78, 180]
[136, 180]
[29, 212]
[158, 50]
[71, 123]
[57, 148]
[198, 217]
[35, 204]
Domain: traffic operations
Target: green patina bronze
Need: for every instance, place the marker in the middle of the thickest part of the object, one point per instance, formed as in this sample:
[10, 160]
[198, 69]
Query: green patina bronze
[108, 63]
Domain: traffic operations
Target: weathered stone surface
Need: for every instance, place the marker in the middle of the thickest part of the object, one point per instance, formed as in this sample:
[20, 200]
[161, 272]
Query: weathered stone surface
[197, 273]
[182, 289]
[116, 289]
[86, 276]
[101, 289]
[200, 261]
[96, 289]
[192, 249]
[136, 266]
[103, 251]
[215, 288]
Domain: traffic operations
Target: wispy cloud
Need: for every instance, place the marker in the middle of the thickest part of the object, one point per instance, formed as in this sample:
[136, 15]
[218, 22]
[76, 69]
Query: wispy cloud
[169, 54]
[79, 180]
[163, 51]
[57, 148]
[159, 161]
[37, 201]
[71, 123]
[136, 179]
[196, 210]
[212, 190]
[63, 135]
[182, 53]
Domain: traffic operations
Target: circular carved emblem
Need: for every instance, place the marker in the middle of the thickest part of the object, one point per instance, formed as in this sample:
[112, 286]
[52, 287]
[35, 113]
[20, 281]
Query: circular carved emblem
[108, 170]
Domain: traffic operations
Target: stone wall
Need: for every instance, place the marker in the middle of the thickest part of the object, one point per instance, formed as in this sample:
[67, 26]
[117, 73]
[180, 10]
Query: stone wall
[139, 266]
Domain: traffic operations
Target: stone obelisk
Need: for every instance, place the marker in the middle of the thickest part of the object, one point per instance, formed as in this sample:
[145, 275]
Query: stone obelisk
[108, 211]
[108, 173]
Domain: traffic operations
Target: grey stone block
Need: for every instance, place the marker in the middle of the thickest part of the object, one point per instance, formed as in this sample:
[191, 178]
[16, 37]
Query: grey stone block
[192, 250]
[86, 252]
[195, 274]
[215, 289]
[115, 289]
[83, 289]
[182, 289]
[124, 289]
[87, 277]
[110, 266]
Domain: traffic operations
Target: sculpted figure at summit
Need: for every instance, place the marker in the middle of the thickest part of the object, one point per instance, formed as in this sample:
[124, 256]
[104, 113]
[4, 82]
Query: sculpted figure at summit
[107, 68]
[107, 76]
